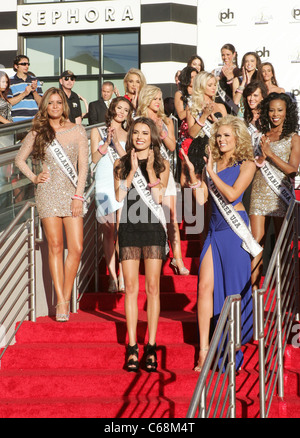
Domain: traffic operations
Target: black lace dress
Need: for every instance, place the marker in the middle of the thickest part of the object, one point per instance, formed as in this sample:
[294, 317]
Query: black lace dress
[141, 235]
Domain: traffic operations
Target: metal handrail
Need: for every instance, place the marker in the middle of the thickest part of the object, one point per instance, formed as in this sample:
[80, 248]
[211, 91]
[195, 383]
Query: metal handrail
[26, 296]
[215, 392]
[276, 307]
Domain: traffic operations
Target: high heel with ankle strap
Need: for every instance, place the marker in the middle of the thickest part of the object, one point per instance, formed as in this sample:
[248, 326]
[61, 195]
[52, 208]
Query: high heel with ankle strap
[179, 271]
[62, 317]
[133, 363]
[151, 365]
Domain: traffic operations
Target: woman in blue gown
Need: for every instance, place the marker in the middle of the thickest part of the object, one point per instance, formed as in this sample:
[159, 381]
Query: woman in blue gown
[225, 266]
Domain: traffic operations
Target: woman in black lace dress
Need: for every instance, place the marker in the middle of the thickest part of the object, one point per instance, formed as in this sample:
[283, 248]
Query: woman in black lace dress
[141, 176]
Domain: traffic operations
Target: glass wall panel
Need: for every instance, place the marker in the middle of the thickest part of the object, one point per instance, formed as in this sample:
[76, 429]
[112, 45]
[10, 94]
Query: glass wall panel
[82, 54]
[120, 52]
[44, 55]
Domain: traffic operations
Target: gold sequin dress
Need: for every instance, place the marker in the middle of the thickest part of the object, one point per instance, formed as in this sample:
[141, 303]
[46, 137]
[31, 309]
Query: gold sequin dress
[264, 201]
[54, 197]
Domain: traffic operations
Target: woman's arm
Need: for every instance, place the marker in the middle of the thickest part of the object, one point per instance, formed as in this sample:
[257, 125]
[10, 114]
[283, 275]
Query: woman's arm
[290, 168]
[158, 184]
[22, 156]
[98, 146]
[199, 188]
[231, 193]
[178, 103]
[168, 137]
[195, 125]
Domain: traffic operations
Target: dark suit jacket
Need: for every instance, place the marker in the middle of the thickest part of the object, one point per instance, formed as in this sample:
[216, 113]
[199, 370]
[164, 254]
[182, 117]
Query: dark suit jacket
[97, 111]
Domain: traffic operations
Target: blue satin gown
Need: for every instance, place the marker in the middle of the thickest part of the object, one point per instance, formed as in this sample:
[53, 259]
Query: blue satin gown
[231, 263]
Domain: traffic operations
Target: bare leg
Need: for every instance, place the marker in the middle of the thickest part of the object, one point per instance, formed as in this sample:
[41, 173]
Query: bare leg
[120, 277]
[53, 229]
[74, 235]
[63, 275]
[131, 279]
[152, 272]
[169, 203]
[205, 304]
[108, 230]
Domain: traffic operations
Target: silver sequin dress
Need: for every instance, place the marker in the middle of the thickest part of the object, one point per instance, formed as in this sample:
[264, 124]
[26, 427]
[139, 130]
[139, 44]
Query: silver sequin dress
[264, 201]
[54, 197]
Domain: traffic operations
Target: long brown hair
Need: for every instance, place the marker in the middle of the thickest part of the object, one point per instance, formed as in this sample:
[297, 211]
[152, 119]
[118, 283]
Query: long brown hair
[45, 134]
[123, 168]
[6, 91]
[111, 112]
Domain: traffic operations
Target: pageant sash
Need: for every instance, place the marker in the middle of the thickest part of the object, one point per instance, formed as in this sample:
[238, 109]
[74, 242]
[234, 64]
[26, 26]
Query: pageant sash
[276, 183]
[207, 126]
[233, 219]
[255, 139]
[66, 165]
[226, 99]
[140, 183]
[63, 161]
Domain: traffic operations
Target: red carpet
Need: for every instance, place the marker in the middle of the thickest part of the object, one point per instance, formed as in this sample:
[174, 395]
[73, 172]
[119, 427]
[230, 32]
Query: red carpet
[75, 369]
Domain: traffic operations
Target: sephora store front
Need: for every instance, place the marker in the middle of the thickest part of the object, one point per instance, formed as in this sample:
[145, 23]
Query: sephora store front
[99, 40]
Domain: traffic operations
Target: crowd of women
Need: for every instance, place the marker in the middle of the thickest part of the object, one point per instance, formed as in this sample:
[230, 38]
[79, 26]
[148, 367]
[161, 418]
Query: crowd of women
[238, 133]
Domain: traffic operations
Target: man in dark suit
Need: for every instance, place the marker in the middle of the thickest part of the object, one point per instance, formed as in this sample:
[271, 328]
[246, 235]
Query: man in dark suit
[98, 108]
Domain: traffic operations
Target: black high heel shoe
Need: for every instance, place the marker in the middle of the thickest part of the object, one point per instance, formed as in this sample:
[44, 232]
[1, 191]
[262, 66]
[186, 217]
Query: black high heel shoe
[133, 363]
[151, 365]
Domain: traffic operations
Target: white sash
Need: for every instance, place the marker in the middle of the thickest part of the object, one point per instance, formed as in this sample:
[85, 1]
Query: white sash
[276, 184]
[65, 164]
[255, 139]
[226, 99]
[234, 219]
[207, 126]
[141, 186]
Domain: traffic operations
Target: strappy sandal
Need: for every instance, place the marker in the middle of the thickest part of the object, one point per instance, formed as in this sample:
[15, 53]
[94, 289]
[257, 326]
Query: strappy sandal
[62, 317]
[198, 368]
[151, 365]
[179, 271]
[121, 283]
[133, 363]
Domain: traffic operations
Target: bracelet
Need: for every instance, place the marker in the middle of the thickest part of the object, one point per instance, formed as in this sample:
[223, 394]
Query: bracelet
[154, 184]
[199, 123]
[123, 186]
[78, 198]
[230, 81]
[239, 91]
[99, 149]
[165, 135]
[259, 164]
[195, 185]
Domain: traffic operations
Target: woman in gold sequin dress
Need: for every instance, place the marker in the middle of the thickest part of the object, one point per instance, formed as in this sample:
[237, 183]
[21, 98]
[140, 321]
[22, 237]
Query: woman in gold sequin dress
[59, 203]
[280, 158]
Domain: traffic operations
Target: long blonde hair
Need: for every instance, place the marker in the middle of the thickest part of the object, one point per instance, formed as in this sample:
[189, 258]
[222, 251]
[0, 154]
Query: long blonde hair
[243, 150]
[198, 93]
[148, 93]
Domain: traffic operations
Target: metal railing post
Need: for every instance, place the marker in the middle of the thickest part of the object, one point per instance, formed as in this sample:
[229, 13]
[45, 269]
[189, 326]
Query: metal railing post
[32, 265]
[261, 352]
[279, 325]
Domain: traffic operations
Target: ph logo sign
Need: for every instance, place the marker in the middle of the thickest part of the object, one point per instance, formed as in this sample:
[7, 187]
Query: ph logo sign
[296, 14]
[226, 16]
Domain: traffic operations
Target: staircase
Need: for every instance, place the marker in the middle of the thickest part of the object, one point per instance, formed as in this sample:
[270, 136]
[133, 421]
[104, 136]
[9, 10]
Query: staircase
[76, 369]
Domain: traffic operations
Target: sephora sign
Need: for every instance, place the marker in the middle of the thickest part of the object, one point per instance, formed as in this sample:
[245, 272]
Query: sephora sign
[78, 16]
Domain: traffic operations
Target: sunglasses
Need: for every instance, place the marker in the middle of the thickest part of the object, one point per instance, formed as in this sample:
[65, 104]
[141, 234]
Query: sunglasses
[24, 63]
[66, 78]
